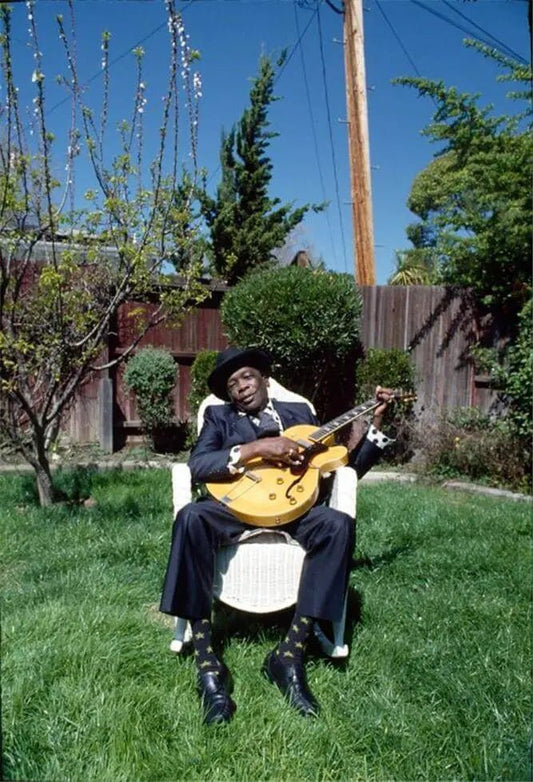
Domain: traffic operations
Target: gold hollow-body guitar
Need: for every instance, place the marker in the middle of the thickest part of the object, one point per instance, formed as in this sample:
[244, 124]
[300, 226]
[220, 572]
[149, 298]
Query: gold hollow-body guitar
[271, 495]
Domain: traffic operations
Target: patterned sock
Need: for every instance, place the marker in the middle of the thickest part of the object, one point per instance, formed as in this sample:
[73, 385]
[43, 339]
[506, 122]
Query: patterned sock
[205, 658]
[292, 648]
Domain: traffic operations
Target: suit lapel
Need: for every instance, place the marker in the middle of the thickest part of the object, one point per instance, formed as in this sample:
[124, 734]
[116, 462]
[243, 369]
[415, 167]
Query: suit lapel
[242, 426]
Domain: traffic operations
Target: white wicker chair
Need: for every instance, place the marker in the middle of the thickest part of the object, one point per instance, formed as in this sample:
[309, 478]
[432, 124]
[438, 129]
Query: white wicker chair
[261, 573]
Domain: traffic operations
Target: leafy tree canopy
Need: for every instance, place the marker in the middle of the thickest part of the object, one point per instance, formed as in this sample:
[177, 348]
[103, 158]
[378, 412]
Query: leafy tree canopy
[66, 271]
[474, 199]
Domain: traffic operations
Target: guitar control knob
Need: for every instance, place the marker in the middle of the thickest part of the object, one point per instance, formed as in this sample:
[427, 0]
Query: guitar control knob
[279, 480]
[292, 501]
[299, 488]
[272, 496]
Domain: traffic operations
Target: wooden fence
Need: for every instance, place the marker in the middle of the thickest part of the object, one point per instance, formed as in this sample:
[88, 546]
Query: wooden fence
[105, 412]
[435, 324]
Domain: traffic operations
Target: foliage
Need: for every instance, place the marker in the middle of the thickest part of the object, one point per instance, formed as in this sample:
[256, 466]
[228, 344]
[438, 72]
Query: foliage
[474, 198]
[201, 368]
[467, 444]
[439, 611]
[151, 375]
[414, 267]
[391, 368]
[517, 376]
[308, 321]
[511, 371]
[189, 244]
[74, 485]
[65, 272]
[245, 224]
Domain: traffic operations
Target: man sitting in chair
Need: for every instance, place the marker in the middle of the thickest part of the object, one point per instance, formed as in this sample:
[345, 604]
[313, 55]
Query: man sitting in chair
[233, 434]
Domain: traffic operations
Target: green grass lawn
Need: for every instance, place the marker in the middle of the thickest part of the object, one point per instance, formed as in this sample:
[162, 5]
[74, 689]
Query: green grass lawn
[437, 686]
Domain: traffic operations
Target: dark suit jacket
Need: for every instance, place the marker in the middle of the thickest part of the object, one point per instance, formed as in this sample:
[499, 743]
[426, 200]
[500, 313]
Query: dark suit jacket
[224, 427]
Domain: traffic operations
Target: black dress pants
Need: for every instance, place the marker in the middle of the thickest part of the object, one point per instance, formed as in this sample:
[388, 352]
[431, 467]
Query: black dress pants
[200, 528]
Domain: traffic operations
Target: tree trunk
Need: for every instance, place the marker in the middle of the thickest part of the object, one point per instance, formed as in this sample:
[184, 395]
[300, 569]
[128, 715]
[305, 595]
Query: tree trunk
[38, 458]
[45, 486]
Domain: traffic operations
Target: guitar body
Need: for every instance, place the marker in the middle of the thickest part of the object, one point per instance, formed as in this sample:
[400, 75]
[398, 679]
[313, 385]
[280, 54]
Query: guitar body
[266, 495]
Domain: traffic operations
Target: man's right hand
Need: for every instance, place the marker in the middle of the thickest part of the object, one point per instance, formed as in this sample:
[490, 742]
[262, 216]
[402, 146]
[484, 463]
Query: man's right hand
[276, 449]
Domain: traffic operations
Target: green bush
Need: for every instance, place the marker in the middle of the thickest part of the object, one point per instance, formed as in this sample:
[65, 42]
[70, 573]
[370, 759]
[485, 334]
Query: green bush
[467, 444]
[511, 371]
[385, 367]
[151, 374]
[308, 321]
[518, 376]
[201, 368]
[391, 368]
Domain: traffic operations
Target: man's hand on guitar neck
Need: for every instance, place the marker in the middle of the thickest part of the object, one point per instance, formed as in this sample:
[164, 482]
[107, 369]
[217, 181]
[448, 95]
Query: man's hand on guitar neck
[385, 396]
[274, 449]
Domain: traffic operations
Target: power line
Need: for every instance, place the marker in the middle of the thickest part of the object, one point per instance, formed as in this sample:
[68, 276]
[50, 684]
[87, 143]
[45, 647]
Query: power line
[295, 46]
[401, 45]
[332, 145]
[498, 41]
[486, 32]
[398, 39]
[466, 30]
[313, 130]
[278, 74]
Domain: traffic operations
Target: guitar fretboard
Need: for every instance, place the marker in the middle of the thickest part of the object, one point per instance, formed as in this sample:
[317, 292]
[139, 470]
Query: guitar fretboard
[343, 420]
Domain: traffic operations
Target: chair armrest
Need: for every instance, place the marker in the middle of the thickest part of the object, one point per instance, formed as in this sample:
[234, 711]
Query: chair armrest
[344, 491]
[181, 486]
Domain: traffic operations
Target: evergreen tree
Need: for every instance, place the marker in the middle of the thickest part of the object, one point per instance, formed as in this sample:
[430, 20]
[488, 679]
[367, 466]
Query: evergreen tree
[245, 223]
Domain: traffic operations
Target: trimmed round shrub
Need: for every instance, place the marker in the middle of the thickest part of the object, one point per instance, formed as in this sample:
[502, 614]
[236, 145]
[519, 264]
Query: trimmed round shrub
[308, 321]
[151, 374]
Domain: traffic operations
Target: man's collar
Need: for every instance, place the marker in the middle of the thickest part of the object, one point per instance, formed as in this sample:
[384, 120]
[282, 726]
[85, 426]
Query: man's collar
[268, 408]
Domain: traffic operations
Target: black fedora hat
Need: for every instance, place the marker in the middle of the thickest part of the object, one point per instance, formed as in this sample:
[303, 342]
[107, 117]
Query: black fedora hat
[229, 361]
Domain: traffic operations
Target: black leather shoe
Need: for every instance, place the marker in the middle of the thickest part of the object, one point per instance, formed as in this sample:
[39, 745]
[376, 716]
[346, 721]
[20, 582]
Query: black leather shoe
[291, 680]
[213, 688]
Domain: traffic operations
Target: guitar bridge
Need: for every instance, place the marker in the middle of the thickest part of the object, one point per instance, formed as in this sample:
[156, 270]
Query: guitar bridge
[239, 489]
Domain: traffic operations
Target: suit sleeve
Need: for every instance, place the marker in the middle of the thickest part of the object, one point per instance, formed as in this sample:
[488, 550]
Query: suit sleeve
[364, 456]
[209, 458]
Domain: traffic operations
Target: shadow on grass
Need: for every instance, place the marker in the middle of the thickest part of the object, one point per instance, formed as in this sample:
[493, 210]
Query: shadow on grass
[74, 485]
[271, 628]
[378, 560]
[231, 623]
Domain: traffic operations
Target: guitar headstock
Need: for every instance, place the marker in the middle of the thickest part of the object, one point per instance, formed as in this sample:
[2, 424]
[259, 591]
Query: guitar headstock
[399, 395]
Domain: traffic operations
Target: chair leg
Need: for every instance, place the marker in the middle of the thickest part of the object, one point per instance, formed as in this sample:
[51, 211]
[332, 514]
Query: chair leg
[336, 648]
[182, 635]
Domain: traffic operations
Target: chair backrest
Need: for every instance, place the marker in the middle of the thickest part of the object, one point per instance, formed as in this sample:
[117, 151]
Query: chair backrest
[275, 391]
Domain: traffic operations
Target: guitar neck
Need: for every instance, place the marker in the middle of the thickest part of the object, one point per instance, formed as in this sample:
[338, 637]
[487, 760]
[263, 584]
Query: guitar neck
[344, 420]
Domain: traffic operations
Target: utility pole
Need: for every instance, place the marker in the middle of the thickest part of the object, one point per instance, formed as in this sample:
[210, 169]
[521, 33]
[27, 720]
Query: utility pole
[358, 144]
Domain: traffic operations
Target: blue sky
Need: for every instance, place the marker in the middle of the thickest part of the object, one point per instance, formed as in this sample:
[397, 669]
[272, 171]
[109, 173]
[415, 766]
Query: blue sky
[310, 156]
